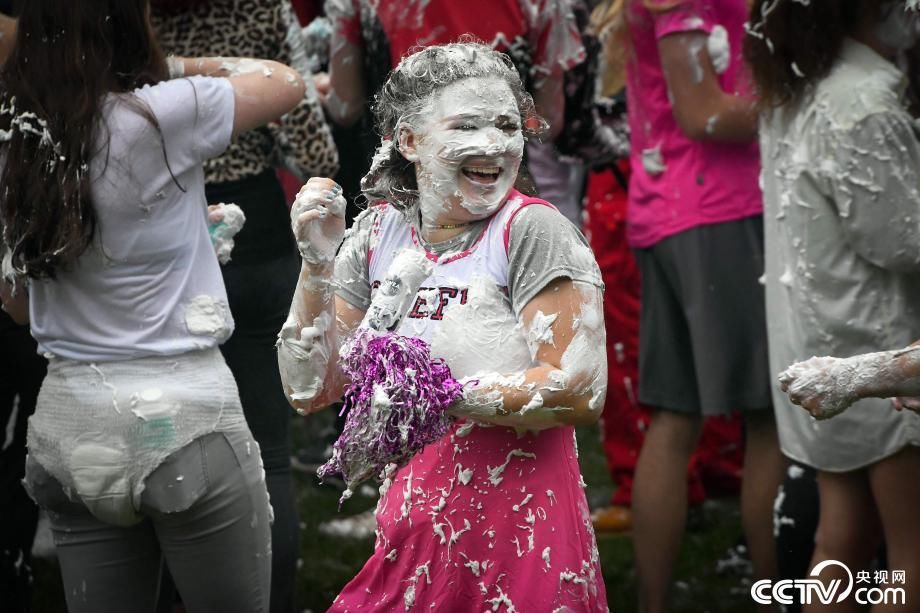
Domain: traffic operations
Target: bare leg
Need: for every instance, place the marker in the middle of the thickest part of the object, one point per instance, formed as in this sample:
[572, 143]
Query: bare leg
[660, 503]
[848, 531]
[894, 485]
[763, 472]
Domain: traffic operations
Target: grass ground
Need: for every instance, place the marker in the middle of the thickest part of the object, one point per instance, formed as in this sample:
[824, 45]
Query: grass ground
[328, 562]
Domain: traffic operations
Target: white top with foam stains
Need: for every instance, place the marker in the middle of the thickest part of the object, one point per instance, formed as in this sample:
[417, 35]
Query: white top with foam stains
[542, 246]
[465, 282]
[841, 179]
[150, 285]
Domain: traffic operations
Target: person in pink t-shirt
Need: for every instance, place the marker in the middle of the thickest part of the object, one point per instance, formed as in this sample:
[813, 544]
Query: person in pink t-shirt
[695, 163]
[694, 219]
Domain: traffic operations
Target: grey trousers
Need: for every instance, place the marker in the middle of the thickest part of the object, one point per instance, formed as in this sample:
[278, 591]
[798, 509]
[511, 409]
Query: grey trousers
[206, 513]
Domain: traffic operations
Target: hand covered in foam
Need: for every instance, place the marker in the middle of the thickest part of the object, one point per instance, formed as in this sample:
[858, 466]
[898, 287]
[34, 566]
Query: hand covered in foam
[822, 386]
[480, 398]
[224, 222]
[304, 361]
[318, 220]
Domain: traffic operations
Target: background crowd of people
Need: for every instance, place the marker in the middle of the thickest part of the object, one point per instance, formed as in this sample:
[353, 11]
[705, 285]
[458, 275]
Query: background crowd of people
[733, 184]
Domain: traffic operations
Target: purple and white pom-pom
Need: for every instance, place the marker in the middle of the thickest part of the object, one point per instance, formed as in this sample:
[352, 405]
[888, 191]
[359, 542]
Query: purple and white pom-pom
[396, 404]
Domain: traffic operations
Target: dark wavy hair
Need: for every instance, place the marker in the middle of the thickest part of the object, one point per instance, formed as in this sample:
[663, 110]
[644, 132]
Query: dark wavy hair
[69, 55]
[791, 45]
[405, 95]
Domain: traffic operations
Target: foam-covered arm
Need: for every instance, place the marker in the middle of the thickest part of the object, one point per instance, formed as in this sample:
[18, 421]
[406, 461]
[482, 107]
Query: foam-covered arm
[264, 90]
[701, 108]
[308, 341]
[345, 99]
[342, 94]
[308, 344]
[565, 329]
[826, 386]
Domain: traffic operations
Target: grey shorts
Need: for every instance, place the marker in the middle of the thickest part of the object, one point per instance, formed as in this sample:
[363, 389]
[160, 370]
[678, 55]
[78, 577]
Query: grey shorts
[702, 331]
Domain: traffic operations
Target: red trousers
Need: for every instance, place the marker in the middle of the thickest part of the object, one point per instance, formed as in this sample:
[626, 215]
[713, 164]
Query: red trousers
[715, 467]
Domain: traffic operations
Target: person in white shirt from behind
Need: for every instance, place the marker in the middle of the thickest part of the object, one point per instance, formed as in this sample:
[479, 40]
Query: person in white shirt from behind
[138, 448]
[841, 178]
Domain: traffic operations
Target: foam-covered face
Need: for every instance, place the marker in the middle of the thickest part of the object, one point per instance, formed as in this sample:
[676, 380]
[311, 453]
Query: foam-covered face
[467, 150]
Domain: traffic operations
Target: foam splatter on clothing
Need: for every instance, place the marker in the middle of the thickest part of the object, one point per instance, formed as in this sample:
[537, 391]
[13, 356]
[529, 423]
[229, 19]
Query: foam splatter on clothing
[493, 519]
[841, 204]
[484, 518]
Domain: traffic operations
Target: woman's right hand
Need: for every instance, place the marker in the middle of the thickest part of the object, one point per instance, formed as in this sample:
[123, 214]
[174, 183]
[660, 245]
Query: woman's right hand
[318, 220]
[820, 385]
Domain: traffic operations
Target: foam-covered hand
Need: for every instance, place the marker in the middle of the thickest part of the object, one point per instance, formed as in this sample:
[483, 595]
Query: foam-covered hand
[822, 386]
[318, 220]
[479, 398]
[224, 222]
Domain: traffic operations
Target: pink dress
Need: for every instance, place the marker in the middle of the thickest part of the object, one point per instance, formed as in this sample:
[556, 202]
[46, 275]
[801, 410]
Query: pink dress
[483, 519]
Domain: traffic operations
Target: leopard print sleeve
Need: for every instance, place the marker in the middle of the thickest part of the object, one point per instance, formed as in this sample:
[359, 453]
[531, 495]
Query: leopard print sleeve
[303, 140]
[265, 29]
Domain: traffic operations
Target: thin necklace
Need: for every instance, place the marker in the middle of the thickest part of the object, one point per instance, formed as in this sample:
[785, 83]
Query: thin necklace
[451, 226]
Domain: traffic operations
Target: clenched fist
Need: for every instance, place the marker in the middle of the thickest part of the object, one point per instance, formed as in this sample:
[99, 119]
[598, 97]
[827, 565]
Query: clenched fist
[318, 220]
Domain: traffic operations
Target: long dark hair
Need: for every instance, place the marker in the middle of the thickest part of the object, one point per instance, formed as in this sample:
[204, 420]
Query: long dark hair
[791, 45]
[68, 56]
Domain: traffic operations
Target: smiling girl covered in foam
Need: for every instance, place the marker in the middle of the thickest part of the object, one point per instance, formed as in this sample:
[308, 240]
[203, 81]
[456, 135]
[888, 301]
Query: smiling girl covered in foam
[493, 513]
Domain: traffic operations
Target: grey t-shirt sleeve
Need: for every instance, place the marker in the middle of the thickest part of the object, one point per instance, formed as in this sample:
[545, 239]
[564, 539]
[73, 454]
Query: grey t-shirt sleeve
[351, 277]
[544, 246]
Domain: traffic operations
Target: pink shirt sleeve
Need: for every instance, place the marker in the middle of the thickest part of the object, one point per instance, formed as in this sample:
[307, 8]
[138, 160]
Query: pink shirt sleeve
[688, 16]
